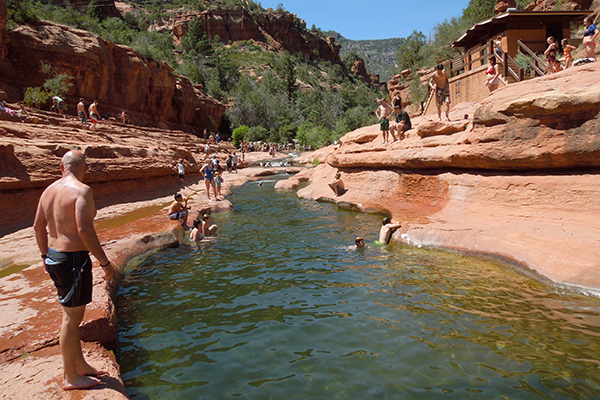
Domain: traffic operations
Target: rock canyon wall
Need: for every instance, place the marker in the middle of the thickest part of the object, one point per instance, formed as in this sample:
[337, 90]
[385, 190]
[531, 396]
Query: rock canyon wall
[115, 75]
[276, 30]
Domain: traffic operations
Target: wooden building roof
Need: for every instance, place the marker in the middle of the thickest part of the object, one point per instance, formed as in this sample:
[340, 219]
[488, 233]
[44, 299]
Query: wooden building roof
[513, 19]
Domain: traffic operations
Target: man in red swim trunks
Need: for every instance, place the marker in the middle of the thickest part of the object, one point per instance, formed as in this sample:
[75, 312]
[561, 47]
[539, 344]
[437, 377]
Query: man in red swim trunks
[64, 231]
[94, 116]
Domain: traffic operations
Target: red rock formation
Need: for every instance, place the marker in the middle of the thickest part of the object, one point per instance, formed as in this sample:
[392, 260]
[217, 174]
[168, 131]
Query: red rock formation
[113, 74]
[277, 30]
[107, 8]
[517, 179]
[360, 70]
[3, 36]
[125, 161]
[503, 5]
[549, 5]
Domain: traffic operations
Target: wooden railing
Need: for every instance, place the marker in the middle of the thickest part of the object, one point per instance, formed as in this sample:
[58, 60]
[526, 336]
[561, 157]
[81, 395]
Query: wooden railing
[511, 68]
[535, 62]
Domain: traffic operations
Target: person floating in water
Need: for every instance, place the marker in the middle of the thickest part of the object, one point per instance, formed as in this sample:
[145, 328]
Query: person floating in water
[387, 230]
[359, 242]
[337, 185]
[178, 210]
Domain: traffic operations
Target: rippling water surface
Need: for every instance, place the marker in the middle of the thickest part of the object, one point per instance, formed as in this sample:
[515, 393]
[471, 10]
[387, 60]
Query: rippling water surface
[280, 306]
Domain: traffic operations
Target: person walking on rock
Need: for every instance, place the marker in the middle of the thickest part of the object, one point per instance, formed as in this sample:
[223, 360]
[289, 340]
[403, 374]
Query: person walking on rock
[94, 116]
[439, 82]
[81, 111]
[65, 235]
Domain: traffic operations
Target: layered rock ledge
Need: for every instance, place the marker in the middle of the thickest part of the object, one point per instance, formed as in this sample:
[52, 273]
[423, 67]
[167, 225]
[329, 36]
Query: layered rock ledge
[516, 176]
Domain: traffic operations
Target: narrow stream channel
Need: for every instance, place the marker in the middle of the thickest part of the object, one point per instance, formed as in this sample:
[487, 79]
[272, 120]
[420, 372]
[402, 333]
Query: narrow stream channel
[281, 306]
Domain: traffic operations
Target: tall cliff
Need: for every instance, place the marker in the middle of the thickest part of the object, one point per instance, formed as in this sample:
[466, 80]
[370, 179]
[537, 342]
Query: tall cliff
[117, 76]
[277, 30]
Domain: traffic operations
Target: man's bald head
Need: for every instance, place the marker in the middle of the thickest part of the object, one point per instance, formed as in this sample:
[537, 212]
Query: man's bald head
[74, 160]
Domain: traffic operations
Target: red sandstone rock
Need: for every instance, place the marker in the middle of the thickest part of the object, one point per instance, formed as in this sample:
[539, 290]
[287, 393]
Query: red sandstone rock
[503, 5]
[115, 75]
[276, 30]
[457, 190]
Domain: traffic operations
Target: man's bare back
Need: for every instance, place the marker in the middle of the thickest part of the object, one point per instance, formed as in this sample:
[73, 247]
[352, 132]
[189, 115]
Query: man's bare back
[64, 232]
[387, 229]
[58, 205]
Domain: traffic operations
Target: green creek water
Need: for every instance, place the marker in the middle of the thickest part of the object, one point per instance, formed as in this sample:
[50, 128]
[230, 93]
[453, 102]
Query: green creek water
[280, 306]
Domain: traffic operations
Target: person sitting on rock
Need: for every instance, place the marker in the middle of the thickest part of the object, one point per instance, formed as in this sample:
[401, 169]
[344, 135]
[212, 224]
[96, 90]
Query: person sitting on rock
[403, 124]
[387, 229]
[207, 228]
[337, 185]
[178, 210]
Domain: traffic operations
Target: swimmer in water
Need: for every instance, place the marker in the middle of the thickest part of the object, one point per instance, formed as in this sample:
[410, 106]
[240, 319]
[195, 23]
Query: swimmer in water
[359, 242]
[387, 230]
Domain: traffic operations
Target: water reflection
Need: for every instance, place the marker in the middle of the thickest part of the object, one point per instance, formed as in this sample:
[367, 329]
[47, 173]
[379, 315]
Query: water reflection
[281, 306]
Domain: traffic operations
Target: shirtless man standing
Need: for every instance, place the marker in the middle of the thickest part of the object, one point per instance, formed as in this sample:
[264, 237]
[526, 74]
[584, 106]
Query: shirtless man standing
[439, 83]
[64, 231]
[387, 229]
[94, 116]
[81, 111]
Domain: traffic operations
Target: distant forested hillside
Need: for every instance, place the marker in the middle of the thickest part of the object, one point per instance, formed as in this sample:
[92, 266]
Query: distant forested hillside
[379, 55]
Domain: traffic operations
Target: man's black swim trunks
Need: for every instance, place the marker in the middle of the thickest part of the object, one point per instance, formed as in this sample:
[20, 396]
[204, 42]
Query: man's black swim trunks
[71, 273]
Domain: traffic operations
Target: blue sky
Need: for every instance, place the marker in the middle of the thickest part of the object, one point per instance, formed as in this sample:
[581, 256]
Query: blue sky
[383, 19]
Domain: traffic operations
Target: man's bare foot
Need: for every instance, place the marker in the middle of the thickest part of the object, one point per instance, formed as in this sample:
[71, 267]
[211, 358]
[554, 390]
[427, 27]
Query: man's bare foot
[81, 382]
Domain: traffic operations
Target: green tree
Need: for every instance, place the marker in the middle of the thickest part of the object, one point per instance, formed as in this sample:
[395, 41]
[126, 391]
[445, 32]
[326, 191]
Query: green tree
[410, 54]
[195, 40]
[257, 134]
[239, 134]
[478, 10]
[57, 84]
[286, 69]
[35, 96]
[94, 11]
